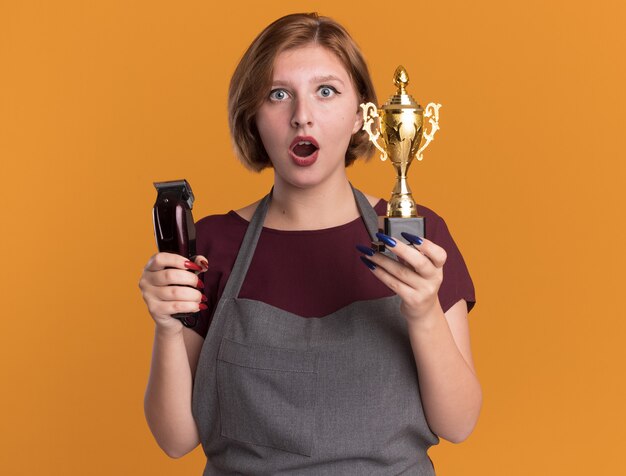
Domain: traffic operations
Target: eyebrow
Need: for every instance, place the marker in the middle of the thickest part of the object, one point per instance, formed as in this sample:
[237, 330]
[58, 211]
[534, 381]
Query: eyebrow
[323, 79]
[315, 79]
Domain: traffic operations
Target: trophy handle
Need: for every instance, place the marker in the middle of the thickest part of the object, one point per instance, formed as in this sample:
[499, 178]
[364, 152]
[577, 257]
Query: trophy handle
[370, 113]
[431, 110]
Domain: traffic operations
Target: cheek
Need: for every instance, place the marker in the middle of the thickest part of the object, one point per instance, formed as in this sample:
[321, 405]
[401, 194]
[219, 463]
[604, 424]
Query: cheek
[266, 131]
[352, 118]
[343, 128]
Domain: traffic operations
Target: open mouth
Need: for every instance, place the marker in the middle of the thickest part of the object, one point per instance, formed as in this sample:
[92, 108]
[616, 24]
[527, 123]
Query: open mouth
[304, 147]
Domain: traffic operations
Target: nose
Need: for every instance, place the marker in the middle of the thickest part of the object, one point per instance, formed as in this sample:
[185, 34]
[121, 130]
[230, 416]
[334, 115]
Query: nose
[302, 114]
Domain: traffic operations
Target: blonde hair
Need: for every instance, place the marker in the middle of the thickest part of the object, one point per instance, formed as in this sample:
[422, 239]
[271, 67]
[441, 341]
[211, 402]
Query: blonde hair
[251, 81]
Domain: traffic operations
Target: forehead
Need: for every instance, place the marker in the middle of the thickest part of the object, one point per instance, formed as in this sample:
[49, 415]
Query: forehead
[314, 60]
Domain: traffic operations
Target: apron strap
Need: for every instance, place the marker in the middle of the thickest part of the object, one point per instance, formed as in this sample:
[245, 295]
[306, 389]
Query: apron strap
[367, 213]
[253, 232]
[246, 251]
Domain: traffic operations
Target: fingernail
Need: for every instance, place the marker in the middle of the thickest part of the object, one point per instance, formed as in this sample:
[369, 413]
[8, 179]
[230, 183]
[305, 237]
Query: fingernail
[200, 284]
[413, 239]
[365, 249]
[368, 263]
[388, 240]
[203, 307]
[194, 266]
[204, 298]
[204, 263]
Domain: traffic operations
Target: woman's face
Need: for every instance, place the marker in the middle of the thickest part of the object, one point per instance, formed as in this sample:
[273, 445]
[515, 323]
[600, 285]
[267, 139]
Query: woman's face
[309, 116]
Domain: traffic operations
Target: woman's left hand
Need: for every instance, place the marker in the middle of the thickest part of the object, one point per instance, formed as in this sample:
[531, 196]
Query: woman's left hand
[415, 277]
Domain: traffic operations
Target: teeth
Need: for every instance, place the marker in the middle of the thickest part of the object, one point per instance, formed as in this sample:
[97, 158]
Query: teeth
[304, 142]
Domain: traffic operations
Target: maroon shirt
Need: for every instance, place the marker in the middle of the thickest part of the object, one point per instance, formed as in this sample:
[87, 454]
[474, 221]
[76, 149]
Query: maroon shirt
[313, 273]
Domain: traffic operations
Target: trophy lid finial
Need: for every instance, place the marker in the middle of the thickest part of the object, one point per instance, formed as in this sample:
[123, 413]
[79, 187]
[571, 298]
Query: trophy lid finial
[401, 98]
[401, 79]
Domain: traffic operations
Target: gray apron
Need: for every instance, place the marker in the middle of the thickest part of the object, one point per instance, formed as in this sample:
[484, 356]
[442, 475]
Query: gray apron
[276, 393]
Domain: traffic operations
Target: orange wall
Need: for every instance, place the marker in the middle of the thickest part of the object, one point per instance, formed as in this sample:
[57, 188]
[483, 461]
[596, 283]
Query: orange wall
[100, 99]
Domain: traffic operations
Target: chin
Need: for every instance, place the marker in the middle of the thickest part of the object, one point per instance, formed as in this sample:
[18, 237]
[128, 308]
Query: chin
[301, 182]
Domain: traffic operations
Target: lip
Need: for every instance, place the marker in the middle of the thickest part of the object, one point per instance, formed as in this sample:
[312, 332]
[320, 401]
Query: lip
[303, 138]
[304, 161]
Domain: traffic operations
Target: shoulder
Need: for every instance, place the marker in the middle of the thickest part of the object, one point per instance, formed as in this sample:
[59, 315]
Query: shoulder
[219, 231]
[374, 201]
[211, 222]
[377, 203]
[435, 227]
[247, 211]
[429, 214]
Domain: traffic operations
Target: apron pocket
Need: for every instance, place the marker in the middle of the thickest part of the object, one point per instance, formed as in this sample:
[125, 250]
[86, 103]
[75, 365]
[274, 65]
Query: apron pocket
[267, 395]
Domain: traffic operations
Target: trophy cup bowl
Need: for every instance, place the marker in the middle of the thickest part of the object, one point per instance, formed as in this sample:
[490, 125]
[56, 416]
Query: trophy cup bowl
[399, 125]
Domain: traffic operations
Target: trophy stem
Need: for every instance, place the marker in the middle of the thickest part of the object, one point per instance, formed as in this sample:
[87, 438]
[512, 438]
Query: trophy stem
[401, 204]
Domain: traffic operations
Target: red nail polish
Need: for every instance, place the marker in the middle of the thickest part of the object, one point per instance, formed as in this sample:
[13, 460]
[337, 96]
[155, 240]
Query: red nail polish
[194, 266]
[204, 298]
[204, 263]
[200, 284]
[203, 307]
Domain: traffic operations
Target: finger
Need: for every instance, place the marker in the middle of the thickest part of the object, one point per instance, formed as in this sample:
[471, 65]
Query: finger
[410, 255]
[201, 261]
[397, 286]
[397, 269]
[173, 276]
[180, 293]
[170, 260]
[435, 253]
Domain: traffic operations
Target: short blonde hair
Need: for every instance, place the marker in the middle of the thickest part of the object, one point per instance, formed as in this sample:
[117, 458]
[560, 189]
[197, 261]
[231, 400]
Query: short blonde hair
[251, 81]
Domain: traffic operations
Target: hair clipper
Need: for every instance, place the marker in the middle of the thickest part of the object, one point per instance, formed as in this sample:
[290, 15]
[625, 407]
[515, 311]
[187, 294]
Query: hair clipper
[174, 227]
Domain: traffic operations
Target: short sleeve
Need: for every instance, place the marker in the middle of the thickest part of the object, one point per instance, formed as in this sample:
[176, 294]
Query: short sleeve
[218, 238]
[457, 283]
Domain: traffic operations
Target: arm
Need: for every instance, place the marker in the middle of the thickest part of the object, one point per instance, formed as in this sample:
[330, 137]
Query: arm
[450, 391]
[167, 402]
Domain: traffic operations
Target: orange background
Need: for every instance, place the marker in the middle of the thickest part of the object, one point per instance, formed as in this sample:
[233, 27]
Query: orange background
[100, 99]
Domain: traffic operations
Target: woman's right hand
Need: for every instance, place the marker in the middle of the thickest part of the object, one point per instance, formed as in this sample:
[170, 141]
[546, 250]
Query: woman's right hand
[163, 287]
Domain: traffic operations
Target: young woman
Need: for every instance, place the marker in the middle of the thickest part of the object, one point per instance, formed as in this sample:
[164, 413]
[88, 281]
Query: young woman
[309, 358]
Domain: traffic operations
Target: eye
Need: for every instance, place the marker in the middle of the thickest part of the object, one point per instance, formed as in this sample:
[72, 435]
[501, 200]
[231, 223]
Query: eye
[327, 91]
[278, 95]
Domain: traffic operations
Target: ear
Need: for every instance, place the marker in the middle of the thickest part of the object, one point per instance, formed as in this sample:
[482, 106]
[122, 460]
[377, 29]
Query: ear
[358, 121]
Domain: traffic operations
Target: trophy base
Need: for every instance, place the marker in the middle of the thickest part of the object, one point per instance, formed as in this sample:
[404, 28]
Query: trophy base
[395, 226]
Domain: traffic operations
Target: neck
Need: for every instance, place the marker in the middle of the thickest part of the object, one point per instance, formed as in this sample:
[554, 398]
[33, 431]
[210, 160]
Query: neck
[323, 206]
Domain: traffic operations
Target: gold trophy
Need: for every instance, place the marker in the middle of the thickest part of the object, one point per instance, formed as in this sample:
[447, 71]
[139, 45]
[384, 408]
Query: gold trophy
[399, 124]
